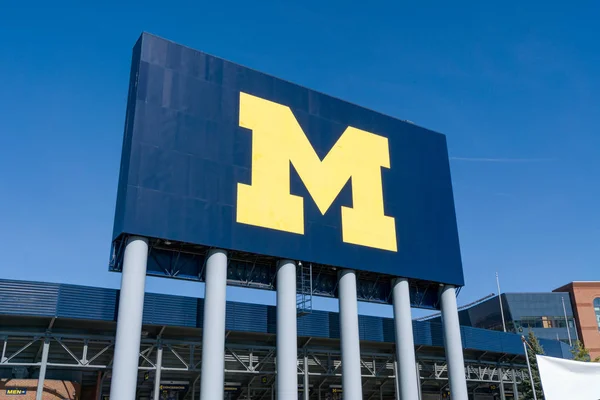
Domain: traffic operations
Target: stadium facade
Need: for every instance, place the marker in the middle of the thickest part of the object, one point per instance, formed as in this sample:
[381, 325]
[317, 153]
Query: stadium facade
[548, 315]
[230, 176]
[66, 333]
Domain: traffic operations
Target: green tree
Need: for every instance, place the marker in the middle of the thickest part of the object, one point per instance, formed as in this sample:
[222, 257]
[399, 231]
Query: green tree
[580, 353]
[533, 348]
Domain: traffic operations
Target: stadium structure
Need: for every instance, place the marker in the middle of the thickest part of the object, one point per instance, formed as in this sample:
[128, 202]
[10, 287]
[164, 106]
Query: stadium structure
[66, 333]
[230, 176]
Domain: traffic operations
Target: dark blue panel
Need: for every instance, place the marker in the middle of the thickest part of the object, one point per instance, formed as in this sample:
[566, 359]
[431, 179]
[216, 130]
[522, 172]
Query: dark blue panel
[511, 344]
[86, 303]
[437, 335]
[334, 325]
[389, 331]
[272, 319]
[184, 154]
[28, 298]
[428, 333]
[479, 338]
[552, 348]
[246, 317]
[538, 304]
[566, 351]
[315, 324]
[200, 313]
[161, 309]
[370, 328]
[126, 165]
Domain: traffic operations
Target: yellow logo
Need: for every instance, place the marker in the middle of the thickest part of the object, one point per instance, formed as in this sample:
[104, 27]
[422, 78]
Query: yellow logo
[277, 141]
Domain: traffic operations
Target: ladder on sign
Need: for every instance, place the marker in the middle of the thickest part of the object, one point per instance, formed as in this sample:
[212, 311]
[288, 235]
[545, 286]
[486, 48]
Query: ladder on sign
[304, 289]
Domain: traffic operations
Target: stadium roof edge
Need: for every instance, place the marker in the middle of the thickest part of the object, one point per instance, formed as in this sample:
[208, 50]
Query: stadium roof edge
[67, 301]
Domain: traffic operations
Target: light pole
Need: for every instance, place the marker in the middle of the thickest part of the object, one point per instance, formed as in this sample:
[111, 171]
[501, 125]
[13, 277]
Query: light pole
[566, 321]
[529, 368]
[500, 300]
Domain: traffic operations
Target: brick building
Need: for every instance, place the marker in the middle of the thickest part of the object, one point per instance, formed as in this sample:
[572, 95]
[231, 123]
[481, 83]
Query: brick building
[585, 298]
[26, 389]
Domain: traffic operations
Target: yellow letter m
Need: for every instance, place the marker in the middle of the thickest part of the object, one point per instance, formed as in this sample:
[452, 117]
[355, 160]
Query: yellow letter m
[277, 141]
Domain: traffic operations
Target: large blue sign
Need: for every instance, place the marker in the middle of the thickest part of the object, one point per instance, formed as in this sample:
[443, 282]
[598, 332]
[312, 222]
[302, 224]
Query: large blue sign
[219, 155]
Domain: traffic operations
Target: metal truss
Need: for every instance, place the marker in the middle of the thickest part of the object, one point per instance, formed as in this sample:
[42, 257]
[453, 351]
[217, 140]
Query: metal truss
[187, 262]
[474, 373]
[249, 365]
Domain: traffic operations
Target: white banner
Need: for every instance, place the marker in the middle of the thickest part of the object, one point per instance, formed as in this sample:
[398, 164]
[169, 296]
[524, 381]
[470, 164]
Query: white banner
[566, 379]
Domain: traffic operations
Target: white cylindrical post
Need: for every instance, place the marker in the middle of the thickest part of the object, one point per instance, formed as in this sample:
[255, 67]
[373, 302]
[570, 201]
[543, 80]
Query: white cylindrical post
[405, 344]
[419, 381]
[212, 379]
[306, 383]
[44, 363]
[351, 370]
[453, 343]
[159, 353]
[502, 392]
[287, 341]
[129, 320]
[396, 381]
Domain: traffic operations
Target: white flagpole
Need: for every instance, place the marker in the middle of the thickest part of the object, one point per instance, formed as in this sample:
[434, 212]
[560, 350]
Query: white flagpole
[500, 300]
[566, 321]
[529, 368]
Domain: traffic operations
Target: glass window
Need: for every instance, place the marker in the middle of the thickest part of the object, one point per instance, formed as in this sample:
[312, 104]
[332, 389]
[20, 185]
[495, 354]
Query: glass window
[597, 310]
[546, 322]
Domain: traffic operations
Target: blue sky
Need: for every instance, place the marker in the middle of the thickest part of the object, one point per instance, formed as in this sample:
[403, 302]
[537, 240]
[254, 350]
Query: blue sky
[513, 85]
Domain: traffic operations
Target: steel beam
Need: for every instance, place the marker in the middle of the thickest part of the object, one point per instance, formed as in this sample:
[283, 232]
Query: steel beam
[42, 376]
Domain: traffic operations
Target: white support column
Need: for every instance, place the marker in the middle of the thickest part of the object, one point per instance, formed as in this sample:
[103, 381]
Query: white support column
[396, 381]
[306, 382]
[405, 344]
[515, 387]
[418, 381]
[453, 344]
[212, 374]
[44, 364]
[502, 393]
[351, 369]
[287, 340]
[159, 353]
[129, 321]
